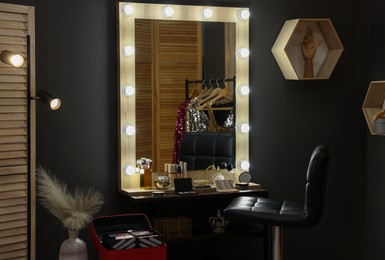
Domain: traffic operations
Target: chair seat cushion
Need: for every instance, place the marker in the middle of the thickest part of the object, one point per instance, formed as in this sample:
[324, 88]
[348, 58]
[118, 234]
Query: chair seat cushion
[266, 211]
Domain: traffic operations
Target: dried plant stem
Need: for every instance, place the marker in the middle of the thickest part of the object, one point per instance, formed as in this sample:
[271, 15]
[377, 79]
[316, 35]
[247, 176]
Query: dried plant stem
[75, 209]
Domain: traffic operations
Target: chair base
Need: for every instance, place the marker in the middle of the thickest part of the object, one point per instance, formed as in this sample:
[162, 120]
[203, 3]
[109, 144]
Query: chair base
[277, 243]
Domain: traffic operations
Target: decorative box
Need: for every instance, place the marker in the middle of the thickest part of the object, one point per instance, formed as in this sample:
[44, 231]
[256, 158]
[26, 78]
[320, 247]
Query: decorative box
[127, 236]
[173, 227]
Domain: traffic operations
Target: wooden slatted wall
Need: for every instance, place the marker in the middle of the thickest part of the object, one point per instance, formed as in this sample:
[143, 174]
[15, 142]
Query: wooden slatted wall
[178, 50]
[143, 83]
[16, 22]
[167, 53]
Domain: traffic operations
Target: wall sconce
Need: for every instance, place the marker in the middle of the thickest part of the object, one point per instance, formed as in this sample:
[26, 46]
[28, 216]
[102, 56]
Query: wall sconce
[48, 99]
[11, 58]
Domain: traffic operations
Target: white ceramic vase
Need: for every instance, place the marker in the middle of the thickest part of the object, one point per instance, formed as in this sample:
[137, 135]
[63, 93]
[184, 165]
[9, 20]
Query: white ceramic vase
[73, 248]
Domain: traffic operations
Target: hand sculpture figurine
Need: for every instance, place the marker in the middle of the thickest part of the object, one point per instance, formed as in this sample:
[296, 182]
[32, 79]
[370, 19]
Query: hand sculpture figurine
[309, 48]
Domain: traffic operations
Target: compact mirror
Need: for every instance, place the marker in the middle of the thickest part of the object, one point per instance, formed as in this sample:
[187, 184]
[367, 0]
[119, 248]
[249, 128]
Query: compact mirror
[244, 177]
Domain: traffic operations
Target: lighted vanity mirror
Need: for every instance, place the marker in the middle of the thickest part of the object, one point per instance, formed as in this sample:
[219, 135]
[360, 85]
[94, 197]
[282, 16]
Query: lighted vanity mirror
[136, 25]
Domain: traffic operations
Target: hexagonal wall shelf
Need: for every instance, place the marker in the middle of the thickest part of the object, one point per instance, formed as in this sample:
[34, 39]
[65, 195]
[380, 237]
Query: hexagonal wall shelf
[373, 103]
[297, 38]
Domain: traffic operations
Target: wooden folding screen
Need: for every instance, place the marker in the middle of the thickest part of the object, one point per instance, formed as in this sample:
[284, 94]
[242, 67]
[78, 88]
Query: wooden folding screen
[17, 144]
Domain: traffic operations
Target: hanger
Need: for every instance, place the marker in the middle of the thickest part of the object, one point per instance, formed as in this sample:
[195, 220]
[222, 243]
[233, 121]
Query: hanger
[218, 93]
[195, 91]
[206, 90]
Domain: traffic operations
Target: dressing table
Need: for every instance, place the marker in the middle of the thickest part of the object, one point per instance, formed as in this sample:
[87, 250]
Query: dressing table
[202, 243]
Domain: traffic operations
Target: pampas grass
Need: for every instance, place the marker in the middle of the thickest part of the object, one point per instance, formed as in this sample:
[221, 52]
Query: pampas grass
[74, 208]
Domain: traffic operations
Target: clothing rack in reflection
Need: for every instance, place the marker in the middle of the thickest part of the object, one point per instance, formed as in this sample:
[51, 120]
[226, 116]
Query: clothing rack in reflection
[218, 112]
[209, 83]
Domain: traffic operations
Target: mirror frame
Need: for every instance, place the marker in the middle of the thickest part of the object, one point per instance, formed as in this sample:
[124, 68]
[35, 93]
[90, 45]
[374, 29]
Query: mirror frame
[128, 180]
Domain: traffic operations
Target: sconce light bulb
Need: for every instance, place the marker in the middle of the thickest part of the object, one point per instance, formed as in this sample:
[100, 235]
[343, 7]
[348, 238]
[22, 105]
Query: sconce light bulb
[244, 15]
[129, 170]
[128, 50]
[244, 90]
[55, 104]
[128, 91]
[168, 11]
[17, 60]
[244, 165]
[129, 130]
[243, 52]
[128, 10]
[206, 13]
[244, 128]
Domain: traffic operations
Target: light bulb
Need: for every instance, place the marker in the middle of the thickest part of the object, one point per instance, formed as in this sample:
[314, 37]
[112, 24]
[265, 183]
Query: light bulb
[168, 11]
[243, 14]
[243, 128]
[244, 165]
[206, 13]
[243, 52]
[17, 60]
[129, 130]
[128, 90]
[55, 104]
[129, 169]
[244, 90]
[128, 10]
[128, 50]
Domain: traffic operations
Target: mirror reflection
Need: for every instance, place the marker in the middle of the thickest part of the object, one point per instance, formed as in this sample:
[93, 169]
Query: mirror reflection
[185, 76]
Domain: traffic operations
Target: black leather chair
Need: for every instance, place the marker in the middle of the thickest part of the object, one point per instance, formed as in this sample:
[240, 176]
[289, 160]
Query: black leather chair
[283, 213]
[203, 149]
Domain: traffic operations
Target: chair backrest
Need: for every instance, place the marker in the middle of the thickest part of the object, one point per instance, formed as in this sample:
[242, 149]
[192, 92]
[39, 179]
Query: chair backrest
[203, 149]
[316, 184]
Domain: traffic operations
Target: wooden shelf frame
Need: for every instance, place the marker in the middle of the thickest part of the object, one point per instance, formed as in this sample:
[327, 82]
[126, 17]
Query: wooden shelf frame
[373, 103]
[287, 48]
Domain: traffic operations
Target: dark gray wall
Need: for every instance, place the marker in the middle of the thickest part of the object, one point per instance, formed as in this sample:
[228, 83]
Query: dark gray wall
[289, 118]
[76, 60]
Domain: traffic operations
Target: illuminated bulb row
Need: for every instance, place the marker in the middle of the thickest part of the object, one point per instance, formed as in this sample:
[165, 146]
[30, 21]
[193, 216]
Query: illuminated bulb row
[206, 13]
